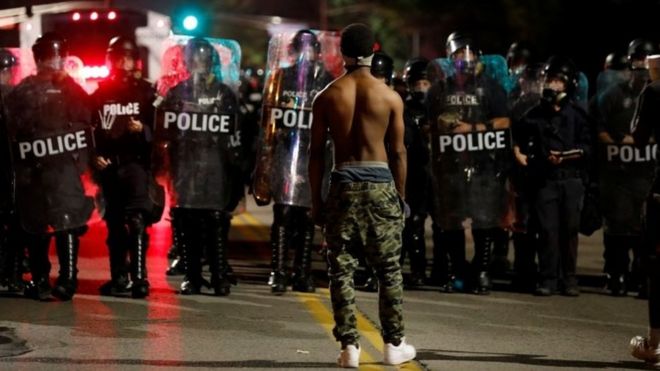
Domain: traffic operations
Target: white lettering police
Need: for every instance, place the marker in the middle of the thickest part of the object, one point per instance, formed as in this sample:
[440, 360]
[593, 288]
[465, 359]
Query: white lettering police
[201, 122]
[119, 109]
[628, 153]
[56, 145]
[291, 118]
[472, 142]
[462, 100]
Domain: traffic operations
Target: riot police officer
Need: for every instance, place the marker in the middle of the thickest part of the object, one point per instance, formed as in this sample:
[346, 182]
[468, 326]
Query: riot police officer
[417, 184]
[382, 67]
[11, 253]
[200, 161]
[645, 125]
[50, 199]
[467, 104]
[289, 93]
[556, 145]
[123, 117]
[623, 183]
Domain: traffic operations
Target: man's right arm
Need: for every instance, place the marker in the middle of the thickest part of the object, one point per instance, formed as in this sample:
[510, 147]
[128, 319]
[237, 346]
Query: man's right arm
[397, 149]
[317, 157]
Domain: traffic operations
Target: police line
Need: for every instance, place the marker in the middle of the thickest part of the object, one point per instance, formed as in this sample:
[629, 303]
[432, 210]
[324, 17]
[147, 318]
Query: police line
[60, 144]
[490, 140]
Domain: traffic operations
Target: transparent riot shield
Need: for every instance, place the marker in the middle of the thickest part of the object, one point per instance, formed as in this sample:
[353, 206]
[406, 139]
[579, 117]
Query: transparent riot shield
[51, 140]
[300, 65]
[526, 91]
[195, 122]
[470, 158]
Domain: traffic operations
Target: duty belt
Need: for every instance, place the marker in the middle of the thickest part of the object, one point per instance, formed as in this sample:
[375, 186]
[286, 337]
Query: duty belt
[560, 174]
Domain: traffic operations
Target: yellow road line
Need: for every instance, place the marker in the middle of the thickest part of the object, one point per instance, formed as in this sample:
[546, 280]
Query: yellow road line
[324, 317]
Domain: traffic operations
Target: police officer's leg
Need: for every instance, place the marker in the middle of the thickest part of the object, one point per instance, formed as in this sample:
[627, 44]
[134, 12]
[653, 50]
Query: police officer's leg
[138, 244]
[279, 239]
[190, 250]
[217, 250]
[67, 244]
[440, 265]
[303, 280]
[546, 209]
[13, 252]
[483, 244]
[452, 243]
[416, 245]
[39, 288]
[117, 242]
[573, 190]
[616, 262]
[177, 266]
[637, 279]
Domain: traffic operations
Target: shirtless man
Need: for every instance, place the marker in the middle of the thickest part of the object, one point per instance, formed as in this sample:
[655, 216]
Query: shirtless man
[365, 208]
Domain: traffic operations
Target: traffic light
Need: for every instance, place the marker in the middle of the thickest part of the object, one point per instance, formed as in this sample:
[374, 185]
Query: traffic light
[190, 23]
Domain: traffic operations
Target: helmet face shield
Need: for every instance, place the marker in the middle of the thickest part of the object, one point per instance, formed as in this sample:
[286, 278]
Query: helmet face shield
[465, 61]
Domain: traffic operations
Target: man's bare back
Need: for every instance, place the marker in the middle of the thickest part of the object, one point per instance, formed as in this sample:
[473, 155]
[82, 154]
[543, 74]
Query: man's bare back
[362, 115]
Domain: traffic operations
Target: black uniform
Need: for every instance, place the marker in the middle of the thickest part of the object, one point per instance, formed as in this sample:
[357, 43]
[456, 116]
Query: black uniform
[417, 189]
[50, 194]
[474, 100]
[623, 186]
[645, 125]
[557, 197]
[206, 185]
[292, 223]
[125, 182]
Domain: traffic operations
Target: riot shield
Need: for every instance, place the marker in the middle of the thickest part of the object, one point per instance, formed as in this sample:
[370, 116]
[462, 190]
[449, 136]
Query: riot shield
[51, 145]
[526, 91]
[9, 77]
[299, 66]
[195, 122]
[469, 167]
[582, 90]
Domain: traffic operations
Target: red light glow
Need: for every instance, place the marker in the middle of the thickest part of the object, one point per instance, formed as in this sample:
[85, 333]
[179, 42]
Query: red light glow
[76, 16]
[95, 72]
[112, 15]
[94, 16]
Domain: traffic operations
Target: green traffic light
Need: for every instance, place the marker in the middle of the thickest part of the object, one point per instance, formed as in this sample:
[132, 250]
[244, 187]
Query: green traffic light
[190, 22]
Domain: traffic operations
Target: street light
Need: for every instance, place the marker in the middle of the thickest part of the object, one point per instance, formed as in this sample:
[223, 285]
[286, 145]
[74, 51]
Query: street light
[190, 23]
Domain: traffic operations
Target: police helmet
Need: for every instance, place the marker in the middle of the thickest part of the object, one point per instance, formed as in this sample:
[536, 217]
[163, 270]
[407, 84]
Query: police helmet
[382, 65]
[198, 52]
[638, 49]
[519, 53]
[7, 59]
[617, 61]
[415, 70]
[456, 41]
[120, 46]
[303, 38]
[562, 68]
[49, 45]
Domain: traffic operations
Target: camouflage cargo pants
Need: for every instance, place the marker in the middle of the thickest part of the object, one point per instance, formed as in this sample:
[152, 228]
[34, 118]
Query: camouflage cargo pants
[367, 216]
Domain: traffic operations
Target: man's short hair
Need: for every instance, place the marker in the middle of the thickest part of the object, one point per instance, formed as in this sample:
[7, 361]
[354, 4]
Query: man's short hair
[357, 41]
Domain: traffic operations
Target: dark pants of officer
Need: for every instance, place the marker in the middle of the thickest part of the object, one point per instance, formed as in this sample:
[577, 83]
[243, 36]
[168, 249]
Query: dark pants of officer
[12, 253]
[448, 255]
[199, 228]
[127, 236]
[558, 204]
[292, 227]
[525, 241]
[651, 258]
[617, 257]
[414, 245]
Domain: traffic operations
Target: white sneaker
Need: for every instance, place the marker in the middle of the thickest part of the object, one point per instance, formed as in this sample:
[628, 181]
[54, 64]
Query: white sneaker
[349, 357]
[640, 349]
[395, 355]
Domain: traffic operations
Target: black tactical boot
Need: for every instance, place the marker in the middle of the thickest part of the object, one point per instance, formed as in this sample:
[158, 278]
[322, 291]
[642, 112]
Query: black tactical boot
[191, 256]
[67, 244]
[302, 279]
[119, 283]
[483, 241]
[277, 280]
[217, 249]
[177, 266]
[39, 288]
[138, 253]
